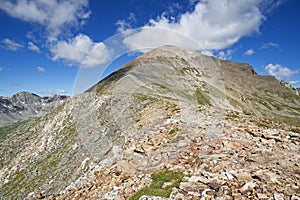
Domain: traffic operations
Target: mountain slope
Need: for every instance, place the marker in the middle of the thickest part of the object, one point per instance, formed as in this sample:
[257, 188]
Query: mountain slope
[24, 105]
[170, 109]
[261, 95]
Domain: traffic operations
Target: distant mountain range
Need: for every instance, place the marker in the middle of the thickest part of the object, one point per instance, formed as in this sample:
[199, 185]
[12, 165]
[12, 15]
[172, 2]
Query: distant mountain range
[24, 105]
[172, 123]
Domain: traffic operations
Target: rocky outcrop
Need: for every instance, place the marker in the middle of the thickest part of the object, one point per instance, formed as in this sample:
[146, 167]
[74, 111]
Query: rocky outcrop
[297, 91]
[171, 109]
[24, 105]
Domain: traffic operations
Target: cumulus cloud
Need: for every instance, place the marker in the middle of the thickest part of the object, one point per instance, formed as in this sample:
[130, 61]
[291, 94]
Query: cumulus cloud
[214, 25]
[33, 47]
[124, 25]
[53, 92]
[294, 82]
[280, 72]
[60, 91]
[80, 50]
[225, 55]
[269, 45]
[11, 45]
[249, 52]
[53, 14]
[41, 69]
[208, 53]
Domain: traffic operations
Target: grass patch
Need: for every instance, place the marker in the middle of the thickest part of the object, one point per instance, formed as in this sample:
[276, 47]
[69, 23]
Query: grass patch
[177, 139]
[4, 131]
[232, 116]
[173, 131]
[158, 180]
[143, 97]
[265, 104]
[172, 108]
[202, 97]
[162, 89]
[248, 112]
[296, 130]
[190, 70]
[262, 123]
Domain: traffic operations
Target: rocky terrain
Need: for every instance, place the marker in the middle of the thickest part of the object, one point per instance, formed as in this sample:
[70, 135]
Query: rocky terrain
[24, 105]
[172, 124]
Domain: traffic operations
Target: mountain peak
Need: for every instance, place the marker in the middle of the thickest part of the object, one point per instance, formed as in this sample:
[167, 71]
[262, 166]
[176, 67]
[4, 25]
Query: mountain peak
[169, 112]
[23, 105]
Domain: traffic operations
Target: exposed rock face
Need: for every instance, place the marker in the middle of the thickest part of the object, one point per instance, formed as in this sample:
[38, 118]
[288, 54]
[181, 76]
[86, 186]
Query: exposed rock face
[297, 91]
[170, 109]
[24, 105]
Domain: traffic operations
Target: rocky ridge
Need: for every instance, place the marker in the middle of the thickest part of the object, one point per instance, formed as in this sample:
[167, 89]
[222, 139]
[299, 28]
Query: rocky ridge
[169, 110]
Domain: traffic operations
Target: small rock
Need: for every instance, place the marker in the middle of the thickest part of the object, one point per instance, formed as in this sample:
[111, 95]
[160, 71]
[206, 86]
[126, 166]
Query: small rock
[139, 149]
[198, 179]
[262, 196]
[192, 186]
[215, 185]
[294, 197]
[206, 194]
[194, 194]
[179, 196]
[249, 186]
[278, 196]
[144, 197]
[243, 176]
[40, 196]
[229, 176]
[166, 184]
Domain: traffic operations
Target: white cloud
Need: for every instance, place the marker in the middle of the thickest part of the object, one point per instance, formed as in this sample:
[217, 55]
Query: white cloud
[80, 50]
[53, 92]
[124, 25]
[60, 91]
[269, 45]
[208, 53]
[41, 69]
[1, 69]
[294, 82]
[214, 25]
[249, 52]
[270, 5]
[225, 55]
[33, 47]
[11, 45]
[53, 14]
[280, 72]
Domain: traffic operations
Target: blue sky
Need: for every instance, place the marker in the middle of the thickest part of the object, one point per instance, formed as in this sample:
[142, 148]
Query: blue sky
[48, 46]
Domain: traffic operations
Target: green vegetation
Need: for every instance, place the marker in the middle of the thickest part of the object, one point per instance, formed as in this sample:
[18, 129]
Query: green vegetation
[173, 131]
[143, 97]
[162, 89]
[158, 180]
[287, 120]
[13, 188]
[177, 139]
[296, 130]
[39, 171]
[262, 123]
[265, 104]
[4, 131]
[202, 97]
[172, 107]
[232, 116]
[190, 70]
[248, 112]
